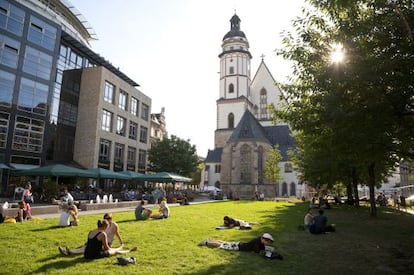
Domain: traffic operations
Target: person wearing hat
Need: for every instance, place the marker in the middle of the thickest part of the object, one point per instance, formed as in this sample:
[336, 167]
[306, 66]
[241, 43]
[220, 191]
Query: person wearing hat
[257, 245]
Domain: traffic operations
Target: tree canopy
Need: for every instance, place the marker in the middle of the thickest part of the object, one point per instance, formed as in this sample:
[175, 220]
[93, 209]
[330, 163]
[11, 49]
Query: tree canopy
[173, 155]
[354, 119]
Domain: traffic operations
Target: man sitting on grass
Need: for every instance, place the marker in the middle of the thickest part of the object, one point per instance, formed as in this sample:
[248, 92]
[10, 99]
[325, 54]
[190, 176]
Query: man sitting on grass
[260, 245]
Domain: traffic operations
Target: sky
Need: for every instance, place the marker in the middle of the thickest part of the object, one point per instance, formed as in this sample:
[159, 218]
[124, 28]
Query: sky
[171, 47]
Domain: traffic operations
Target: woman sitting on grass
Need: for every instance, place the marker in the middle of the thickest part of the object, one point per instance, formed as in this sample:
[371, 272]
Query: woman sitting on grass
[164, 211]
[71, 211]
[97, 245]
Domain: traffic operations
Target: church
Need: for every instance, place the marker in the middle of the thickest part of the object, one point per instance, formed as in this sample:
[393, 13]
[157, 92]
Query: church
[245, 132]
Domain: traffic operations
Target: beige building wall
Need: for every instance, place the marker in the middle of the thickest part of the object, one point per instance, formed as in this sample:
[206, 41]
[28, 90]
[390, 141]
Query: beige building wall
[91, 106]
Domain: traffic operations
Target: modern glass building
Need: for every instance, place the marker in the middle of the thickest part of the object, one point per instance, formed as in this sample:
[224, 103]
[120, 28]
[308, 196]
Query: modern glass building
[59, 101]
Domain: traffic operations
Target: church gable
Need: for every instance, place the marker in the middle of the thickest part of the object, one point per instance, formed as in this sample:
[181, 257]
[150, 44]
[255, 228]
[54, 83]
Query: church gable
[248, 129]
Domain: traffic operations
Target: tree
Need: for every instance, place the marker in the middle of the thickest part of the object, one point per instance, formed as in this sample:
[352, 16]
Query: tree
[356, 118]
[173, 155]
[272, 169]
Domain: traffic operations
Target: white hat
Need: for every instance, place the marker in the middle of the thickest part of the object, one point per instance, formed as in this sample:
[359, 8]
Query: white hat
[267, 236]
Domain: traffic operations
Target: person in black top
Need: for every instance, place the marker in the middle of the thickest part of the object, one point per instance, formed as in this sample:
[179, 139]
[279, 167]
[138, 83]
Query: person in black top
[258, 245]
[97, 244]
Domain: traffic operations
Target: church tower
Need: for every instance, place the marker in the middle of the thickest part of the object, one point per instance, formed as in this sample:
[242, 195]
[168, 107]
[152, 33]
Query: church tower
[234, 81]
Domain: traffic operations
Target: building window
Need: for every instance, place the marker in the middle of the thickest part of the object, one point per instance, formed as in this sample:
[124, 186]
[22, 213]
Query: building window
[230, 121]
[104, 150]
[131, 156]
[263, 104]
[11, 18]
[260, 164]
[231, 70]
[245, 164]
[292, 189]
[32, 96]
[4, 128]
[68, 113]
[42, 33]
[109, 92]
[231, 88]
[106, 121]
[288, 167]
[142, 160]
[123, 99]
[28, 134]
[120, 126]
[145, 112]
[6, 88]
[9, 51]
[134, 106]
[133, 128]
[119, 153]
[217, 168]
[37, 63]
[143, 134]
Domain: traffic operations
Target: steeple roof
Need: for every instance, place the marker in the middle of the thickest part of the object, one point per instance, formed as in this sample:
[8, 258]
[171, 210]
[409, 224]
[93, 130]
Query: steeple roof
[234, 28]
[249, 128]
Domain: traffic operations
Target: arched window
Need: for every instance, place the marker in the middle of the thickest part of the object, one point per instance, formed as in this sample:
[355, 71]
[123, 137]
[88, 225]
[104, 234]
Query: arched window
[245, 164]
[231, 88]
[260, 165]
[230, 121]
[292, 189]
[284, 189]
[263, 104]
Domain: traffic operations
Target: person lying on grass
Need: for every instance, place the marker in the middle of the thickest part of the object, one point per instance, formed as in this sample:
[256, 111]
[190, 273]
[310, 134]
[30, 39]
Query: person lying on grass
[260, 245]
[97, 244]
[111, 232]
[229, 222]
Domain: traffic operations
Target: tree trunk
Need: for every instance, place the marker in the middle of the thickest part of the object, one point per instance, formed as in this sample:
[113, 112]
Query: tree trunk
[371, 184]
[355, 186]
[349, 193]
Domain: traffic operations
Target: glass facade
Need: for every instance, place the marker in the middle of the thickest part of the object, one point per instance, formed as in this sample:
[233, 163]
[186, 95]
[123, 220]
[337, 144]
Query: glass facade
[40, 89]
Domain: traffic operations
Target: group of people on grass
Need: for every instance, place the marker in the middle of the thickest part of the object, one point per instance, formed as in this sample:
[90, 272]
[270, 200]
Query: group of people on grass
[99, 241]
[317, 224]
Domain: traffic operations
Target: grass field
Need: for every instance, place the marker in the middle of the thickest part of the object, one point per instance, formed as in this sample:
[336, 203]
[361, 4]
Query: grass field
[361, 245]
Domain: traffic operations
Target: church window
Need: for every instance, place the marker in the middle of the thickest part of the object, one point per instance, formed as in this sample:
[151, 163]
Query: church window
[231, 121]
[292, 189]
[231, 70]
[217, 168]
[288, 167]
[260, 164]
[284, 189]
[231, 88]
[245, 164]
[263, 104]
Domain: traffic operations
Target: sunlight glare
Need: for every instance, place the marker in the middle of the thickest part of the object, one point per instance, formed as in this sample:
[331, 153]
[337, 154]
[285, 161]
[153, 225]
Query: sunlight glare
[337, 54]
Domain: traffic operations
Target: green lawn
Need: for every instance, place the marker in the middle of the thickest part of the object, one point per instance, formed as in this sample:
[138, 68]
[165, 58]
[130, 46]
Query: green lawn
[361, 245]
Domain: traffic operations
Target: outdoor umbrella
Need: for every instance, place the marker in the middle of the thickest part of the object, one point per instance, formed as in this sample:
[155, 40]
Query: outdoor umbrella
[4, 166]
[102, 173]
[55, 170]
[166, 177]
[133, 175]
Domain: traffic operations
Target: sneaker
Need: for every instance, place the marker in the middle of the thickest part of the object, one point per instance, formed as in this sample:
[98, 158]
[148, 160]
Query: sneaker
[203, 242]
[132, 260]
[63, 251]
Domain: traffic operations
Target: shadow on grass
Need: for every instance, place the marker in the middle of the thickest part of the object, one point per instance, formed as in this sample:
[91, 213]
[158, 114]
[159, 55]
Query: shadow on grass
[52, 227]
[57, 265]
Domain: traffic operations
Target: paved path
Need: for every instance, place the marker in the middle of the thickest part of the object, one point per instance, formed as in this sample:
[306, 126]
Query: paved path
[123, 209]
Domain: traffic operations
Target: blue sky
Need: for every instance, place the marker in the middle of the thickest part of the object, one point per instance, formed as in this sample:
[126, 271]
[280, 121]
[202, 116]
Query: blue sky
[171, 48]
